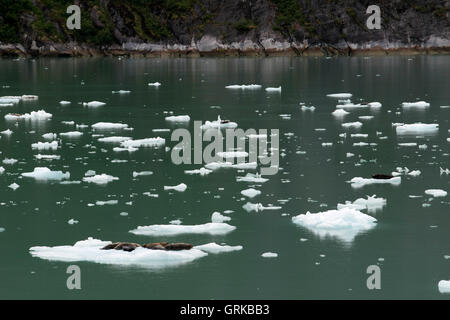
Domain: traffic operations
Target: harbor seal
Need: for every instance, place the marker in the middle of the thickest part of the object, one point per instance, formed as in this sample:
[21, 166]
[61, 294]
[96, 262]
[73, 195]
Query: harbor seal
[125, 246]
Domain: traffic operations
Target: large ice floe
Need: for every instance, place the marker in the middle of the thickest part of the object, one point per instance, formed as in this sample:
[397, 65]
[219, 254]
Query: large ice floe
[359, 182]
[444, 286]
[417, 128]
[91, 250]
[211, 228]
[33, 116]
[44, 173]
[343, 223]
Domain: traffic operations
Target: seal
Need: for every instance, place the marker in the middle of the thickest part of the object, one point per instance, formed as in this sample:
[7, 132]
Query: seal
[130, 246]
[125, 246]
[382, 176]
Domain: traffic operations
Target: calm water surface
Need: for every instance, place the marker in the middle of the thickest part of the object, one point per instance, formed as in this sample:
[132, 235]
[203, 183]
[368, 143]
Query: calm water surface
[411, 238]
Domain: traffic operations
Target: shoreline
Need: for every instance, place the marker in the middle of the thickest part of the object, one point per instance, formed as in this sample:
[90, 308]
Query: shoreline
[193, 51]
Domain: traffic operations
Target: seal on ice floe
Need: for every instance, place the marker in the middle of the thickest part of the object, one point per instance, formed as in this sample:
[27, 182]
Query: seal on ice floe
[382, 176]
[126, 246]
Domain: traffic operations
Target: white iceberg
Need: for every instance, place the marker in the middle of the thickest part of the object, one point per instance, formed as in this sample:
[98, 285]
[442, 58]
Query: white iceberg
[178, 118]
[94, 104]
[211, 228]
[100, 179]
[437, 193]
[201, 171]
[147, 142]
[109, 125]
[180, 187]
[417, 128]
[273, 89]
[45, 145]
[44, 173]
[250, 193]
[71, 134]
[215, 248]
[418, 104]
[114, 139]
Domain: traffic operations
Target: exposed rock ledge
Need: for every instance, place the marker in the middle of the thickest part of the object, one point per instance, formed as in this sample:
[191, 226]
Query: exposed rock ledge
[211, 46]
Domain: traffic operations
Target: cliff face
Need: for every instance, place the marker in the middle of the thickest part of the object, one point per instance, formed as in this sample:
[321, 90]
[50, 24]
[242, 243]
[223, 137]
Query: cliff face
[222, 27]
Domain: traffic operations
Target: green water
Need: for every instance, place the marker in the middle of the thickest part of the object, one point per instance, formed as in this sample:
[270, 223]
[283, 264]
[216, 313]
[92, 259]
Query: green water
[411, 238]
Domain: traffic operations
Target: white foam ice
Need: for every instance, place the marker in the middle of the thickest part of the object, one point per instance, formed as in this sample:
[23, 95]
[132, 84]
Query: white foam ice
[108, 125]
[344, 224]
[244, 86]
[44, 173]
[184, 118]
[100, 178]
[437, 193]
[417, 128]
[359, 182]
[91, 250]
[180, 187]
[94, 104]
[250, 193]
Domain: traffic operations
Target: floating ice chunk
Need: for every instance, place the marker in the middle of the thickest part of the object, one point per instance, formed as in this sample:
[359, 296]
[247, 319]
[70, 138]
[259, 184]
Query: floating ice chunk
[244, 86]
[215, 248]
[442, 171]
[345, 223]
[63, 102]
[311, 108]
[340, 95]
[147, 142]
[91, 250]
[49, 136]
[415, 173]
[273, 89]
[2, 170]
[201, 171]
[232, 154]
[100, 179]
[107, 202]
[178, 118]
[108, 125]
[71, 134]
[250, 193]
[9, 161]
[44, 173]
[418, 104]
[359, 182]
[33, 116]
[217, 217]
[13, 186]
[154, 84]
[374, 105]
[114, 139]
[269, 255]
[45, 145]
[339, 113]
[355, 124]
[257, 207]
[9, 100]
[2, 229]
[250, 177]
[161, 130]
[29, 97]
[212, 228]
[408, 144]
[350, 106]
[72, 221]
[129, 149]
[180, 188]
[437, 193]
[142, 173]
[372, 204]
[218, 124]
[7, 132]
[94, 104]
[417, 128]
[71, 123]
[47, 156]
[121, 92]
[444, 286]
[177, 222]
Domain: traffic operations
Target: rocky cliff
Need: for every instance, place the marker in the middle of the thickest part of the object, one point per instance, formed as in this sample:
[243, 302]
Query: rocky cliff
[222, 27]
